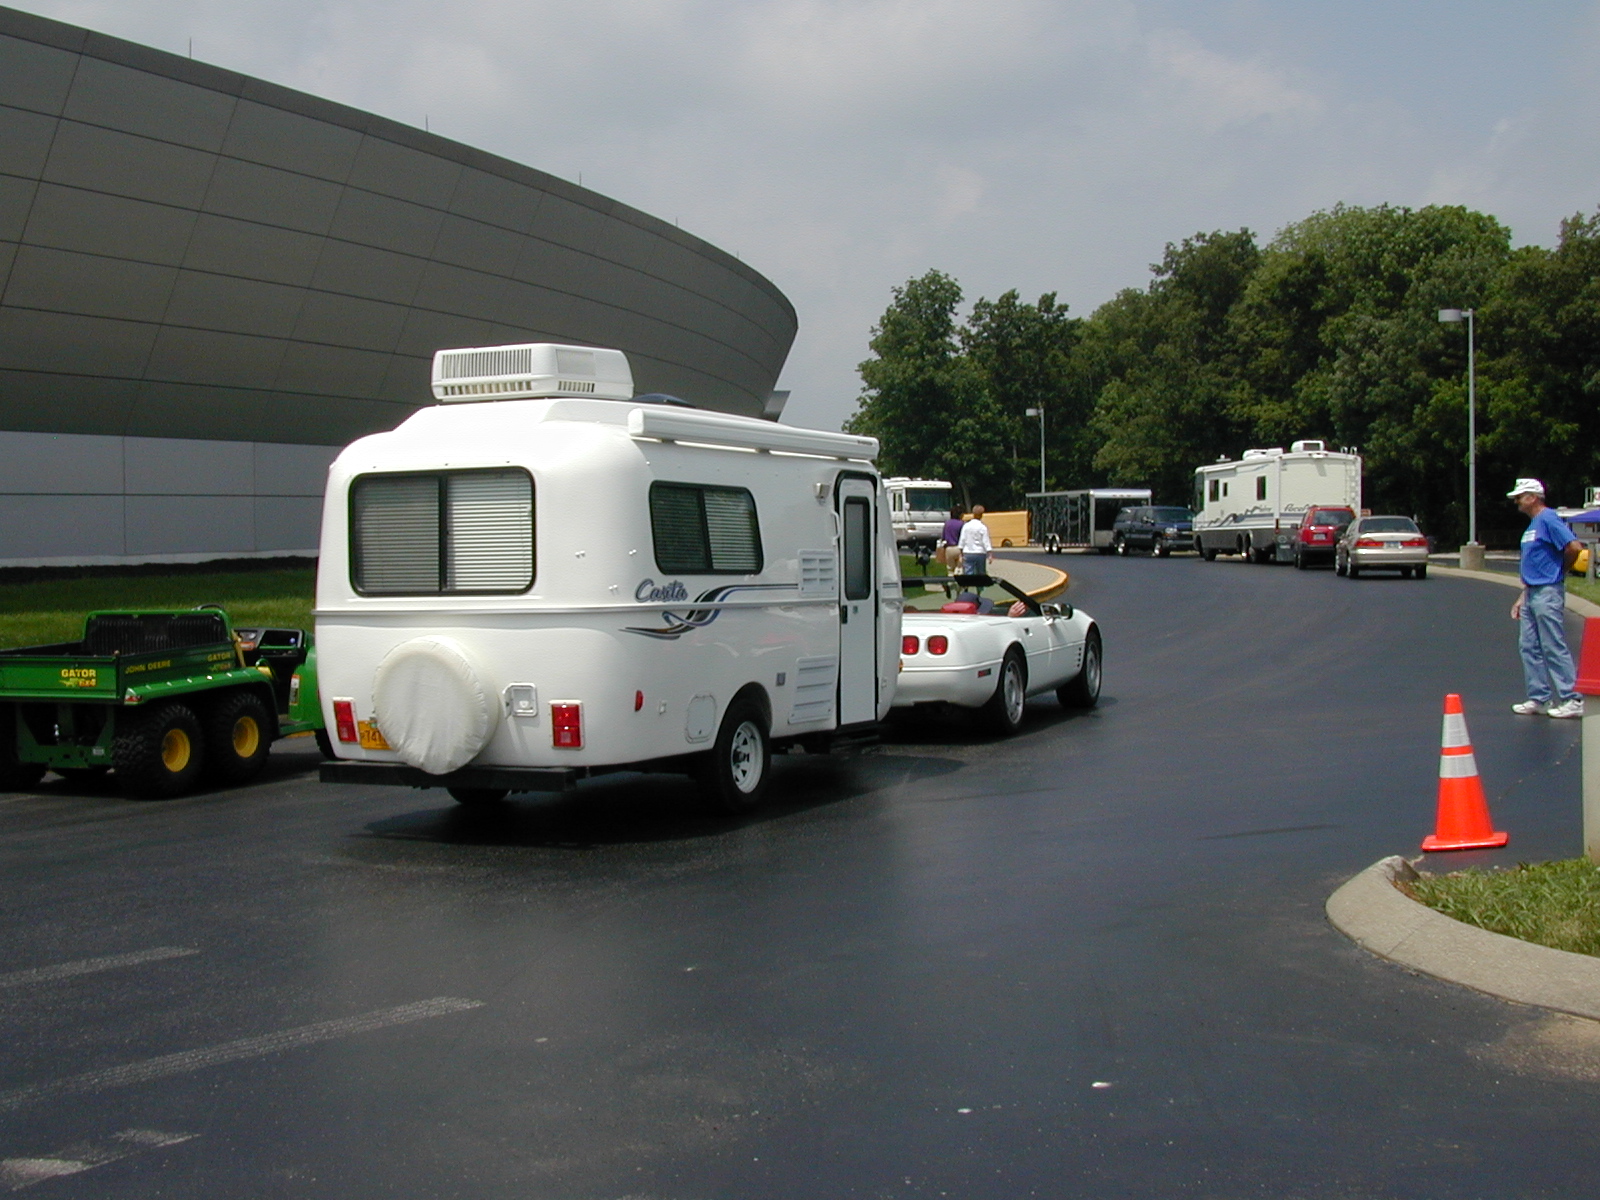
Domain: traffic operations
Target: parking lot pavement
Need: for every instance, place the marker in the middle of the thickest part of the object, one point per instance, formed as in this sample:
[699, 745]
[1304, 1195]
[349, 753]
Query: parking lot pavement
[1091, 959]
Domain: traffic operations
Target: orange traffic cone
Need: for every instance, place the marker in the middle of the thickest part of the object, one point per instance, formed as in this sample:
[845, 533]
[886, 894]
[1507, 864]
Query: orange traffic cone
[1463, 822]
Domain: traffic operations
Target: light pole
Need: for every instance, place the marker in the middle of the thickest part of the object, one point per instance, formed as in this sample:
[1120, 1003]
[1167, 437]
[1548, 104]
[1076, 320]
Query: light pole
[1039, 412]
[1472, 552]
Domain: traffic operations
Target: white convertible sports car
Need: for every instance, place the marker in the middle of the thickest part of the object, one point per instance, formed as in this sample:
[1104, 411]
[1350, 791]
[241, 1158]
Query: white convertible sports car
[980, 643]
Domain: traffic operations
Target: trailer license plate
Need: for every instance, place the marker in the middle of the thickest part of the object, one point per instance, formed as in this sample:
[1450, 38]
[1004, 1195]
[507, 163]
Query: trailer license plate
[371, 736]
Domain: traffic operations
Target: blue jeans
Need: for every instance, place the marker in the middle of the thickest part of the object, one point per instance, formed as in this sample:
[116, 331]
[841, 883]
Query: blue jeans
[1546, 661]
[974, 564]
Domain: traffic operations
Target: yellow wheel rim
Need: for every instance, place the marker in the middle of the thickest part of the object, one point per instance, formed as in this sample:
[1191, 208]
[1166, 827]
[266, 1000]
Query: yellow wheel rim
[246, 737]
[175, 750]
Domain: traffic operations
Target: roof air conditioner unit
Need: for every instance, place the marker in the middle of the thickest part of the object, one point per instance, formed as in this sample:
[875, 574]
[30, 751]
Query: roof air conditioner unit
[531, 372]
[1267, 453]
[1307, 447]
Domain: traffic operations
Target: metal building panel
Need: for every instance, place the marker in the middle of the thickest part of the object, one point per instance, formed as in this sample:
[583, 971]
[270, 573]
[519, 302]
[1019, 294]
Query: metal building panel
[349, 321]
[227, 246]
[89, 284]
[272, 197]
[24, 141]
[187, 525]
[209, 356]
[61, 526]
[386, 223]
[71, 218]
[16, 198]
[73, 345]
[291, 470]
[403, 173]
[275, 138]
[60, 464]
[164, 466]
[287, 523]
[201, 300]
[480, 196]
[134, 101]
[33, 76]
[123, 164]
[353, 270]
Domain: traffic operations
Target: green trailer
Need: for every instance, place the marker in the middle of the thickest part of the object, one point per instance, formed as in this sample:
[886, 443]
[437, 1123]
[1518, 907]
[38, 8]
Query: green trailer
[164, 698]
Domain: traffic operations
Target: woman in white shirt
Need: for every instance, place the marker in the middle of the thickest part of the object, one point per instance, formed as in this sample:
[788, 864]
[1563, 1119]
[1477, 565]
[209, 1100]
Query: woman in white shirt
[975, 544]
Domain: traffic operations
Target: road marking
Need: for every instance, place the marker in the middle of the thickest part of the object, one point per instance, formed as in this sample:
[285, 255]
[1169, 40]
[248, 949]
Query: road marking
[88, 966]
[210, 1056]
[19, 1173]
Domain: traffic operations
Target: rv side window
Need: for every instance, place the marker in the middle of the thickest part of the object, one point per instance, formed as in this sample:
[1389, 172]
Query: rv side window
[857, 549]
[444, 532]
[1261, 487]
[700, 530]
[1216, 489]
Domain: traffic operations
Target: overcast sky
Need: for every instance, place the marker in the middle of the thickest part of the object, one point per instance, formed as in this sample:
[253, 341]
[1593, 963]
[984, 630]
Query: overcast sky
[841, 147]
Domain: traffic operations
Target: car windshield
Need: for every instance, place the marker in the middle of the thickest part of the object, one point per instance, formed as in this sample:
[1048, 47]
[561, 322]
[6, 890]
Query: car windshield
[987, 596]
[1331, 516]
[1388, 525]
[1169, 515]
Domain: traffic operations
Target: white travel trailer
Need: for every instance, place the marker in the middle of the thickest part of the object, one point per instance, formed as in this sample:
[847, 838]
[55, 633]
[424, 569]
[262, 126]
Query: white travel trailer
[918, 509]
[543, 578]
[1253, 507]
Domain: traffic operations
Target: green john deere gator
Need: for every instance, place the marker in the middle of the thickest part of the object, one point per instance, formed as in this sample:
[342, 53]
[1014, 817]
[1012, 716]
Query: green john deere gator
[164, 698]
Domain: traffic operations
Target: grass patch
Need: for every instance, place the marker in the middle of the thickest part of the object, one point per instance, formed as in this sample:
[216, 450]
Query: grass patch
[39, 612]
[1578, 585]
[1555, 904]
[911, 569]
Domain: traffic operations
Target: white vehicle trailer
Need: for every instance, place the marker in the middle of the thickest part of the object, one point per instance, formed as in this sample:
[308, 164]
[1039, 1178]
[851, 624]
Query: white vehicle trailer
[918, 508]
[555, 581]
[1253, 507]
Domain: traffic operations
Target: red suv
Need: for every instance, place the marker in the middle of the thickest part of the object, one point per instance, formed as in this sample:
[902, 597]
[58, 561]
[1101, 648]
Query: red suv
[1319, 532]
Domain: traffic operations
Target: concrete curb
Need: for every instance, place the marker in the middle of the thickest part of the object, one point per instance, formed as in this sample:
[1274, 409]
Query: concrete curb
[1577, 604]
[1375, 914]
[1039, 581]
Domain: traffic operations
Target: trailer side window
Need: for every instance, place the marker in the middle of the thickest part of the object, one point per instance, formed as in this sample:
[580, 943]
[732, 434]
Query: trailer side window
[1216, 489]
[1261, 487]
[442, 532]
[703, 530]
[857, 549]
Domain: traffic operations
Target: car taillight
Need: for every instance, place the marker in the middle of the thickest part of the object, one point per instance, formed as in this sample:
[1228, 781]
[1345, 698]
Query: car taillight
[344, 720]
[1415, 542]
[566, 726]
[1368, 543]
[938, 644]
[910, 644]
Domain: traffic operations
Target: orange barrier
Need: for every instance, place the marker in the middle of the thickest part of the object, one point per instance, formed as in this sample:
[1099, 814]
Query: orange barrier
[1588, 683]
[1463, 821]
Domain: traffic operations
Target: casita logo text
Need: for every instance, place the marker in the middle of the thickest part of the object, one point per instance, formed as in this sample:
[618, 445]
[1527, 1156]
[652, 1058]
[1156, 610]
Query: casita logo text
[651, 592]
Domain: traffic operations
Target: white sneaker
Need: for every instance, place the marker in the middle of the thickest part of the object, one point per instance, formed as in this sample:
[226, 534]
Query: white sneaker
[1528, 708]
[1572, 708]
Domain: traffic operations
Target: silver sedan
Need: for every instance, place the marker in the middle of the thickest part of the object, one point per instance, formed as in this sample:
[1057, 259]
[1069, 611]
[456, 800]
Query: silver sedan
[1382, 544]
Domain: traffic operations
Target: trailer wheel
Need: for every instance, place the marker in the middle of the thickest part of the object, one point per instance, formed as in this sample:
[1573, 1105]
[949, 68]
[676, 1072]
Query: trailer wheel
[1207, 553]
[1002, 712]
[238, 736]
[15, 775]
[477, 797]
[734, 776]
[1083, 689]
[159, 753]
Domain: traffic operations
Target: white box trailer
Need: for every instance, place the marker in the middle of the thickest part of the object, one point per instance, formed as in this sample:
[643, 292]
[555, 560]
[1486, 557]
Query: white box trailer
[1253, 506]
[1080, 519]
[556, 580]
[918, 509]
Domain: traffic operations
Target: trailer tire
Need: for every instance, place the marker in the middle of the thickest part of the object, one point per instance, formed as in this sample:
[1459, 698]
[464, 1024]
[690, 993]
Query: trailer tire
[1002, 713]
[1207, 553]
[159, 753]
[1083, 689]
[238, 736]
[15, 775]
[734, 774]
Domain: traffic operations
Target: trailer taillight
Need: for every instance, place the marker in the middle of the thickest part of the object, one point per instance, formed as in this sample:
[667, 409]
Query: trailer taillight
[910, 644]
[938, 644]
[566, 726]
[344, 720]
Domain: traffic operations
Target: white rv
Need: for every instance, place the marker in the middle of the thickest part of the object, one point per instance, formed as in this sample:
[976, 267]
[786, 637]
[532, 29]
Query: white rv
[1253, 507]
[541, 578]
[918, 508]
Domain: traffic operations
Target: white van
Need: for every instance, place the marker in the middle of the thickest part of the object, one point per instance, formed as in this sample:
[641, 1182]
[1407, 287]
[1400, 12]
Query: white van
[544, 577]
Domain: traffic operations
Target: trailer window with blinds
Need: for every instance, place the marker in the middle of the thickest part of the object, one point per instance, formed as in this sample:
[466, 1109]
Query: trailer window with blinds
[704, 530]
[442, 532]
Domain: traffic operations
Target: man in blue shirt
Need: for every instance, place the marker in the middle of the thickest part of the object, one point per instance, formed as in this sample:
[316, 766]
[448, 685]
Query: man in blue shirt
[1548, 552]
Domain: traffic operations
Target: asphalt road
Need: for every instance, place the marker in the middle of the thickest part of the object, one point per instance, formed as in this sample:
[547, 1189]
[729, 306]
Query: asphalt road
[1090, 961]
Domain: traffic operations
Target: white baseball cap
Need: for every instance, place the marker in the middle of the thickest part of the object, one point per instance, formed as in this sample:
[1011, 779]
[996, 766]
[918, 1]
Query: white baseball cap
[1527, 485]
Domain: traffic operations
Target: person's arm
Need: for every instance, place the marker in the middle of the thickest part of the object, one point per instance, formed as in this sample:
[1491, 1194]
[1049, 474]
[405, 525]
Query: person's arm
[1570, 554]
[988, 546]
[1516, 605]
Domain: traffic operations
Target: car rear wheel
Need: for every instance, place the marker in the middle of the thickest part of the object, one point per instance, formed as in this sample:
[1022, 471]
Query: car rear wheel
[1422, 572]
[1002, 712]
[473, 797]
[1338, 566]
[1083, 689]
[1351, 569]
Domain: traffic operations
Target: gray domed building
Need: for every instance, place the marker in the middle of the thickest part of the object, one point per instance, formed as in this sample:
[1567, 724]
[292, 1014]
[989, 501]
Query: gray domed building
[209, 283]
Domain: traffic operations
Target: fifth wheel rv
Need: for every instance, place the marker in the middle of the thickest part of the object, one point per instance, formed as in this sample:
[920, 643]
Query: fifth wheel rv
[542, 577]
[1253, 506]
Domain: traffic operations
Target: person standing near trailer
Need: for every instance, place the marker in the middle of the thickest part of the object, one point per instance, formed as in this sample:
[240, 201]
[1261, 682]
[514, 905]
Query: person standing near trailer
[1548, 552]
[975, 544]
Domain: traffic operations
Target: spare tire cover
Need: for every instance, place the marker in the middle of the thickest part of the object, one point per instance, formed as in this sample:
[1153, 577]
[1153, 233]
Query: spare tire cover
[431, 705]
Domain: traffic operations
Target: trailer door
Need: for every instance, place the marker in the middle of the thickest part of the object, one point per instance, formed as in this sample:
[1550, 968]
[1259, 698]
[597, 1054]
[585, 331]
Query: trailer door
[858, 603]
